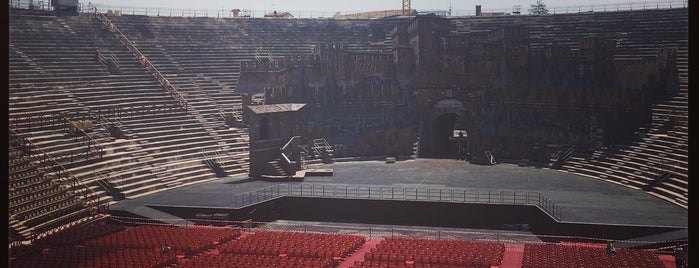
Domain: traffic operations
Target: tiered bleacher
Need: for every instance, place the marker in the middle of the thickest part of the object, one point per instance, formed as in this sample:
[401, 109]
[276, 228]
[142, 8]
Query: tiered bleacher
[142, 140]
[655, 158]
[410, 252]
[40, 200]
[146, 141]
[558, 255]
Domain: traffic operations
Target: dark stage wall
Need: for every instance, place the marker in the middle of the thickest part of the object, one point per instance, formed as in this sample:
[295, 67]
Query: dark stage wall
[413, 213]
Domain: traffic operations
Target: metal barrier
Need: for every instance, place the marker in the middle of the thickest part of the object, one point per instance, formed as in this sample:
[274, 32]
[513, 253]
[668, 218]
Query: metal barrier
[515, 235]
[356, 14]
[165, 84]
[377, 192]
[220, 13]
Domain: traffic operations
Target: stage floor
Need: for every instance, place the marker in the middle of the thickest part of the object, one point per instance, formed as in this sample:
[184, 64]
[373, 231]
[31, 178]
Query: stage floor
[581, 199]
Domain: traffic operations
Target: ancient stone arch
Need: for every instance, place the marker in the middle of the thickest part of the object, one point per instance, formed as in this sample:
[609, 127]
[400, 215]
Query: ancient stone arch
[440, 129]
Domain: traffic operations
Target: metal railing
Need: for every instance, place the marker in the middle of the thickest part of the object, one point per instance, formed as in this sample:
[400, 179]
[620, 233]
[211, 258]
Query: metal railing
[377, 192]
[357, 14]
[321, 146]
[165, 84]
[92, 145]
[517, 234]
[221, 13]
[61, 173]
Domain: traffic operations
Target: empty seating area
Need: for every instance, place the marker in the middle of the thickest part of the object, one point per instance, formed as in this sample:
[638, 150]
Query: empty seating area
[409, 252]
[655, 158]
[313, 245]
[153, 237]
[79, 234]
[557, 255]
[38, 200]
[45, 94]
[79, 256]
[202, 57]
[280, 249]
[143, 141]
[102, 244]
[243, 261]
[205, 53]
[638, 33]
[108, 243]
[114, 245]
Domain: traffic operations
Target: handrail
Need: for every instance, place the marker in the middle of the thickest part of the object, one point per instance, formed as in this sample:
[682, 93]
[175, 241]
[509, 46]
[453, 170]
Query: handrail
[293, 139]
[379, 192]
[60, 171]
[491, 158]
[290, 165]
[90, 141]
[114, 58]
[319, 144]
[568, 153]
[165, 84]
[563, 156]
[357, 14]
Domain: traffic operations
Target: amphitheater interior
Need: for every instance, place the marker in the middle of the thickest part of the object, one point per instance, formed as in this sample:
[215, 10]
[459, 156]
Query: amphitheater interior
[108, 108]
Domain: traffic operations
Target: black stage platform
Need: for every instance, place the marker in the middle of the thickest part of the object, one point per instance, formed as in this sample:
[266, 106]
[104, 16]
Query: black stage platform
[581, 199]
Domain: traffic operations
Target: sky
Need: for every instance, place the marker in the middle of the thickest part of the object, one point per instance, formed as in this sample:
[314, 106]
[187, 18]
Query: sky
[345, 6]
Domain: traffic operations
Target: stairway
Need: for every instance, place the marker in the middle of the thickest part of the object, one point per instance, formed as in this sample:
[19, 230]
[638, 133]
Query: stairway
[322, 149]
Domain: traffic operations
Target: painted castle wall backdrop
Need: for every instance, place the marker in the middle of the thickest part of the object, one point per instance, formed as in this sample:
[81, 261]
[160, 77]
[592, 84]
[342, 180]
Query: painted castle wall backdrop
[512, 99]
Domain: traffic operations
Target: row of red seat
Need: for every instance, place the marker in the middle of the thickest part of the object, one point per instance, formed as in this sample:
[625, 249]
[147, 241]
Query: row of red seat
[448, 252]
[476, 260]
[280, 249]
[79, 234]
[90, 257]
[155, 236]
[247, 261]
[408, 264]
[295, 244]
[556, 255]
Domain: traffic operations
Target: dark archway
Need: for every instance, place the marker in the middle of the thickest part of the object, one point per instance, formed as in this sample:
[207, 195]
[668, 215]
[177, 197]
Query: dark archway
[264, 128]
[445, 130]
[444, 145]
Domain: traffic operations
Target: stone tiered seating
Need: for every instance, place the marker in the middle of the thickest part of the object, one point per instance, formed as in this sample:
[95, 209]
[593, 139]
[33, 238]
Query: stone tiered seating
[556, 255]
[671, 141]
[638, 33]
[153, 161]
[38, 112]
[639, 162]
[445, 253]
[211, 48]
[201, 57]
[52, 70]
[38, 202]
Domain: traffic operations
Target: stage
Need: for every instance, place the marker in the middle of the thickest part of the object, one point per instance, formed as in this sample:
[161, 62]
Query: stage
[581, 199]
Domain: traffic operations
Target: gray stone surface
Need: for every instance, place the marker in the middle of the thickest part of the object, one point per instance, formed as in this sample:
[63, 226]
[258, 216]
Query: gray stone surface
[581, 199]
